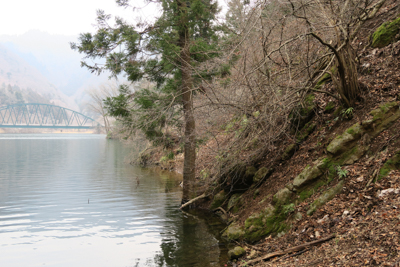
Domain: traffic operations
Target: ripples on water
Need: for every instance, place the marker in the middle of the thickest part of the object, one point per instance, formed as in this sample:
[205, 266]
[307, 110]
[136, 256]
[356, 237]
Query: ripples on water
[70, 200]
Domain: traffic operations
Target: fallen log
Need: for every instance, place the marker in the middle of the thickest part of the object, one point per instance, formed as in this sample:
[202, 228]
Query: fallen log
[289, 250]
[193, 200]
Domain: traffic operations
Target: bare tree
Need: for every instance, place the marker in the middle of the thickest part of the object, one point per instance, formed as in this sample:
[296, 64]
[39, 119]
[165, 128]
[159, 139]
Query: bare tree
[96, 102]
[278, 51]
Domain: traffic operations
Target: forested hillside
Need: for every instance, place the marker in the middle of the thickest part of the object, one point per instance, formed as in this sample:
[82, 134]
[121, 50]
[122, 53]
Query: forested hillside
[22, 83]
[283, 119]
[51, 56]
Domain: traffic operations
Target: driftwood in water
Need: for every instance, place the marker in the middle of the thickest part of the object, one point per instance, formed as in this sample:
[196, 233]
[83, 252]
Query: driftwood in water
[193, 200]
[290, 250]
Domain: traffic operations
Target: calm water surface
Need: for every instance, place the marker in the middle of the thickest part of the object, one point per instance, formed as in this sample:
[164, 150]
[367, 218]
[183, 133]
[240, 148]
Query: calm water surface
[72, 200]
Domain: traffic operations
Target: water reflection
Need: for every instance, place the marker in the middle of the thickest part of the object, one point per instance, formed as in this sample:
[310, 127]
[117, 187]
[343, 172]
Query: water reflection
[69, 200]
[192, 243]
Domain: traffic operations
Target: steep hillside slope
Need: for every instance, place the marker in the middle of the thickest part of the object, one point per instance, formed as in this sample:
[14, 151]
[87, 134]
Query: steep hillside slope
[334, 185]
[337, 183]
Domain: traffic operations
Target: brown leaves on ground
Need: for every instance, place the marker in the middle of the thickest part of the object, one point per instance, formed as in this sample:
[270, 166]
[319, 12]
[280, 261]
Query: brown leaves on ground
[366, 223]
[366, 216]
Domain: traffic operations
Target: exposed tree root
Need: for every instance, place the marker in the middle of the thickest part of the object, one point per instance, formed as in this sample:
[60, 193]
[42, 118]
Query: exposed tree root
[293, 249]
[193, 200]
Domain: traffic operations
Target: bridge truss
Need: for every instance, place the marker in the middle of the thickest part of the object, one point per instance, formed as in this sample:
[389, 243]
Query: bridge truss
[43, 116]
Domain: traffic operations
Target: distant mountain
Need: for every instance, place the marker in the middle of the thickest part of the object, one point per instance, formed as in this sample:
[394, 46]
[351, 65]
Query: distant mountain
[52, 56]
[21, 82]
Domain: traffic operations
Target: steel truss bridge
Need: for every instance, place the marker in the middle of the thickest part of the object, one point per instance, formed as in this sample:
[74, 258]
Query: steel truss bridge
[43, 116]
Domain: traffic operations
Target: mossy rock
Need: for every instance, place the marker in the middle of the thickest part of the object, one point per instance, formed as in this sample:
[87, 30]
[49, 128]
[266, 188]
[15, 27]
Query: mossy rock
[325, 197]
[383, 117]
[341, 142]
[304, 194]
[260, 175]
[218, 200]
[379, 113]
[289, 151]
[392, 164]
[282, 196]
[353, 154]
[250, 172]
[386, 34]
[325, 78]
[329, 166]
[236, 253]
[234, 202]
[310, 190]
[309, 174]
[303, 114]
[233, 232]
[309, 104]
[305, 132]
[267, 222]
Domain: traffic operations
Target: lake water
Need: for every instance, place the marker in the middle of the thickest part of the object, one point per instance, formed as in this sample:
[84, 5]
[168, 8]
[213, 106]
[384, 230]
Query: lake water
[72, 200]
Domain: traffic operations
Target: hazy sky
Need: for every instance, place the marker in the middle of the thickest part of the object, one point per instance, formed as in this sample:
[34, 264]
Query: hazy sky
[67, 17]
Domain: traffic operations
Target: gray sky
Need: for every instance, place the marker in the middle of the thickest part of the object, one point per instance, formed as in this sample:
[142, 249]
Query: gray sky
[66, 17]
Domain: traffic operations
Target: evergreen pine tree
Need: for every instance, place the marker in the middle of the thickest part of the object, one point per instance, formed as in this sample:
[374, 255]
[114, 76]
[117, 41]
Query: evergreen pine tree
[165, 53]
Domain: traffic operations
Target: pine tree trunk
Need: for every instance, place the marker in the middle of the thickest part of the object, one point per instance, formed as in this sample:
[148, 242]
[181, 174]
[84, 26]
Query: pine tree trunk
[187, 85]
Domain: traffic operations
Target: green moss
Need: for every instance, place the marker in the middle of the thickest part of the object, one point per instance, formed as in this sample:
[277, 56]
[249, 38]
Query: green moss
[350, 131]
[325, 78]
[308, 175]
[233, 232]
[262, 224]
[382, 110]
[250, 172]
[329, 167]
[352, 155]
[305, 132]
[235, 209]
[326, 163]
[287, 209]
[386, 33]
[303, 195]
[306, 193]
[282, 197]
[384, 171]
[342, 142]
[261, 175]
[289, 151]
[329, 107]
[308, 105]
[325, 197]
[303, 113]
[309, 99]
[236, 253]
[320, 183]
[235, 201]
[218, 200]
[338, 111]
[391, 164]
